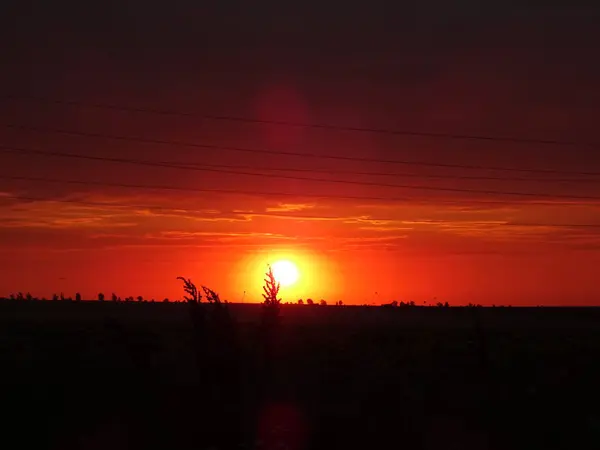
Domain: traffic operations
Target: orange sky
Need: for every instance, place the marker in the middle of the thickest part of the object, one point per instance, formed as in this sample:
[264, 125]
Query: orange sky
[498, 70]
[416, 252]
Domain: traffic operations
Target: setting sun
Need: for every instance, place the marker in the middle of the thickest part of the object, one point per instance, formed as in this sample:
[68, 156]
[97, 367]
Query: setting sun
[285, 272]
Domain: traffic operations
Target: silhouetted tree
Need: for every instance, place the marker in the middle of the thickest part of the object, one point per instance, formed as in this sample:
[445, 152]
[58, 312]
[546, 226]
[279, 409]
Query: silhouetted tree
[54, 297]
[78, 297]
[271, 291]
[100, 297]
[20, 296]
[271, 306]
[310, 301]
[140, 298]
[300, 302]
[166, 300]
[28, 297]
[322, 302]
[62, 296]
[12, 296]
[190, 288]
[114, 297]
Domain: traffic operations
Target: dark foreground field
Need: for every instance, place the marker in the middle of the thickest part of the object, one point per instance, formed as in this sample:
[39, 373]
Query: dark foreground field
[115, 376]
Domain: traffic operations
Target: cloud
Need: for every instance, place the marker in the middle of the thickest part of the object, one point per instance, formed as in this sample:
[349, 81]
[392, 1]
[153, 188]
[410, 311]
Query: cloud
[375, 238]
[505, 230]
[290, 207]
[100, 211]
[109, 236]
[383, 229]
[71, 219]
[194, 215]
[213, 234]
[344, 225]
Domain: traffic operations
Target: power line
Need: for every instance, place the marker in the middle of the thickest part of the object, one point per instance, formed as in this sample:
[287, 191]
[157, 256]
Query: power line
[291, 177]
[392, 174]
[452, 136]
[102, 204]
[354, 172]
[262, 193]
[286, 153]
[207, 190]
[299, 217]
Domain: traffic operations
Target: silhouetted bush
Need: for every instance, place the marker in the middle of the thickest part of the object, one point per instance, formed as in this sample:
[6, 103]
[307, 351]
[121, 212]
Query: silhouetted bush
[100, 297]
[190, 288]
[322, 302]
[310, 301]
[300, 302]
[77, 297]
[211, 296]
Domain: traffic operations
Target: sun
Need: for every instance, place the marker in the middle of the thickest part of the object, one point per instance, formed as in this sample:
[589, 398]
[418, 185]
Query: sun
[285, 272]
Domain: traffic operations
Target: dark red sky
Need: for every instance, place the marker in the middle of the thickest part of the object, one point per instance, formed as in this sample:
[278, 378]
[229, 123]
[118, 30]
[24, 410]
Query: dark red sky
[499, 69]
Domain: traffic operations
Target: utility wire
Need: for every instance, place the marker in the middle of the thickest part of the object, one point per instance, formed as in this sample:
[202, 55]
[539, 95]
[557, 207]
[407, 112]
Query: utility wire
[357, 172]
[267, 193]
[393, 174]
[453, 136]
[291, 177]
[286, 153]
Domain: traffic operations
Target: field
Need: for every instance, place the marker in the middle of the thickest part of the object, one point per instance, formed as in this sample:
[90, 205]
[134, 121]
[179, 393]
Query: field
[93, 375]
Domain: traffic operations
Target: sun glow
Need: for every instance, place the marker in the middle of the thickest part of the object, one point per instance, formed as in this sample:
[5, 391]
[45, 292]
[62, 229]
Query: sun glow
[285, 272]
[315, 275]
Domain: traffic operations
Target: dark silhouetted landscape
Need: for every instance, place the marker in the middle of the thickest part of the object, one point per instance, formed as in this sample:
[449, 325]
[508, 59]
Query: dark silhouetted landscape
[187, 375]
[300, 225]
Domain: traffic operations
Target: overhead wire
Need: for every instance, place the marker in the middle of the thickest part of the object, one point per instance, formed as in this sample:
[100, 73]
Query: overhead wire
[291, 177]
[271, 193]
[390, 131]
[285, 153]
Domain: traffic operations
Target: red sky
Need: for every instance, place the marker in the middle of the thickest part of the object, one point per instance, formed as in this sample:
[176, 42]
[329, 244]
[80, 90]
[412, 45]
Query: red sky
[493, 71]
